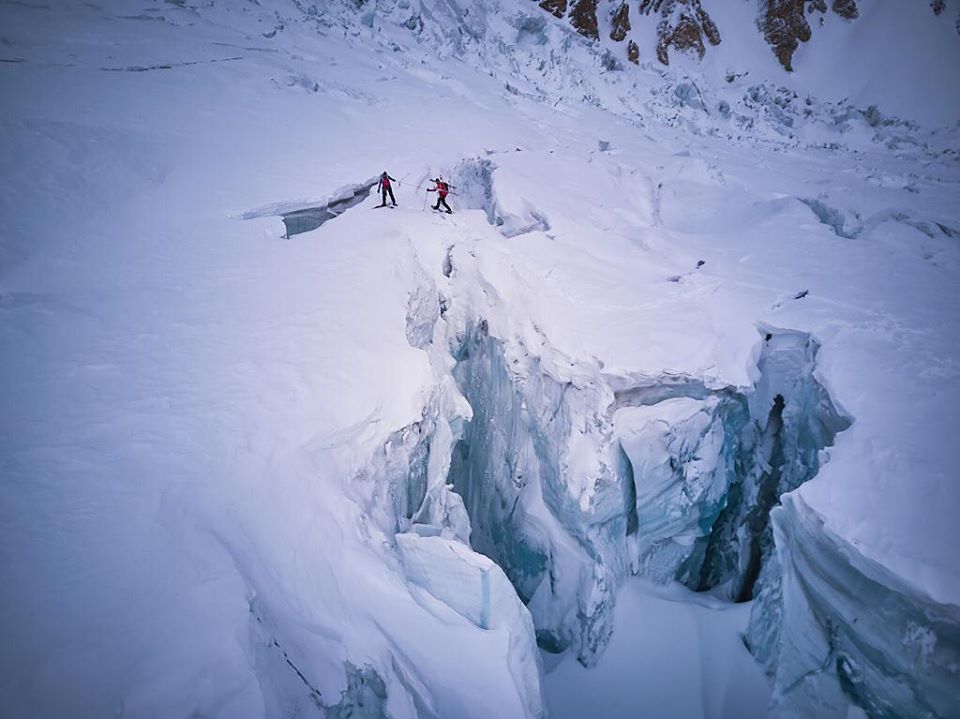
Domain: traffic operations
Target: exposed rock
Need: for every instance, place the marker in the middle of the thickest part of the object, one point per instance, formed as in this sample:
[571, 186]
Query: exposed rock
[847, 9]
[784, 27]
[683, 36]
[710, 29]
[683, 26]
[556, 7]
[583, 17]
[633, 52]
[620, 23]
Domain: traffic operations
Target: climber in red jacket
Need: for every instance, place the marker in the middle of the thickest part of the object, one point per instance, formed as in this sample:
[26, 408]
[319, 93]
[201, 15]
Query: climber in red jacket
[442, 189]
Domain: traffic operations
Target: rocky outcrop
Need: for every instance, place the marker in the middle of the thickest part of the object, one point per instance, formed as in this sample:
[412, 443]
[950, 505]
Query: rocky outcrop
[683, 26]
[620, 23]
[583, 17]
[784, 27]
[847, 9]
[555, 7]
[784, 24]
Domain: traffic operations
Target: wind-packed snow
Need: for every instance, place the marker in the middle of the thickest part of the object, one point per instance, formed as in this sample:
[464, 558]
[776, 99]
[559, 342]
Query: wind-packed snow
[256, 467]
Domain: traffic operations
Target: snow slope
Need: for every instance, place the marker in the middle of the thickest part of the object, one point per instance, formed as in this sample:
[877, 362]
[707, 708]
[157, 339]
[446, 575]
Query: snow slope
[228, 459]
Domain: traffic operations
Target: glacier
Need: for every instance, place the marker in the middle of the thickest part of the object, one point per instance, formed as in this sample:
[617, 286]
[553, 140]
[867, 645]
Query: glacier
[661, 417]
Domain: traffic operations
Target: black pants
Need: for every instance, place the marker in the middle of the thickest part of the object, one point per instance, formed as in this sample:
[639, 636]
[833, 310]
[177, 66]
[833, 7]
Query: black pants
[441, 200]
[387, 189]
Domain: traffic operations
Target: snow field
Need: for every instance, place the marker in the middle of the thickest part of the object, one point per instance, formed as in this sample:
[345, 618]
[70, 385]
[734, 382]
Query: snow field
[220, 448]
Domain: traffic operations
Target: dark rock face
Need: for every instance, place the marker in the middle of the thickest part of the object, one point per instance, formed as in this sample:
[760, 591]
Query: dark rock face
[583, 17]
[620, 23]
[784, 27]
[847, 9]
[685, 35]
[556, 7]
[683, 26]
[709, 27]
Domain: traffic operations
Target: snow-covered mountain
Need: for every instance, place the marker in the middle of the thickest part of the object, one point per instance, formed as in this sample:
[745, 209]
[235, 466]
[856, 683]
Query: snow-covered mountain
[659, 420]
[686, 26]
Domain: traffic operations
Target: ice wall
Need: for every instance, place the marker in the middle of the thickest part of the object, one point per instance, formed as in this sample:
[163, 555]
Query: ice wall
[537, 473]
[682, 454]
[570, 486]
[475, 587]
[851, 632]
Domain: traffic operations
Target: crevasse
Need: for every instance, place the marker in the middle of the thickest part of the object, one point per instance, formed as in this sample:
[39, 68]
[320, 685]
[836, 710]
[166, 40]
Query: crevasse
[790, 419]
[571, 482]
[678, 484]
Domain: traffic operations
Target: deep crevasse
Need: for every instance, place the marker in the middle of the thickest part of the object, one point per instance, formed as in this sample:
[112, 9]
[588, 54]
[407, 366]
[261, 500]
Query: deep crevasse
[571, 485]
[569, 497]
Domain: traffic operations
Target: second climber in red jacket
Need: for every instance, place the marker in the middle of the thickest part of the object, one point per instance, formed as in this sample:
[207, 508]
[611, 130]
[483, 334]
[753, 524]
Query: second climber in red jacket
[442, 189]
